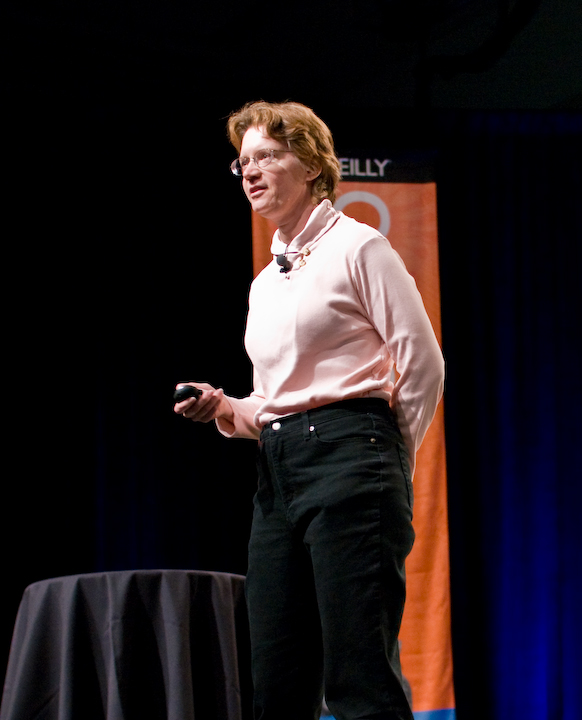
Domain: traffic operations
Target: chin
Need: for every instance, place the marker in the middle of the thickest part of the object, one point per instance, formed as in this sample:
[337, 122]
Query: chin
[261, 209]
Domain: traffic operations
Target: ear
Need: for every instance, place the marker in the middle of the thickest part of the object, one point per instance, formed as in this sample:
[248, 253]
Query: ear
[313, 172]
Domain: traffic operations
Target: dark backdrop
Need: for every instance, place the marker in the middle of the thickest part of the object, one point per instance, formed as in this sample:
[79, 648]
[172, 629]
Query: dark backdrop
[127, 262]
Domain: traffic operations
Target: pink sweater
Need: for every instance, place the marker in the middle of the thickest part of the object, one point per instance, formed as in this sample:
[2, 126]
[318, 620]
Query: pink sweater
[334, 327]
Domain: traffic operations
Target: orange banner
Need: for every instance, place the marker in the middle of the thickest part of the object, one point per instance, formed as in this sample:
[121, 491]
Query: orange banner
[406, 214]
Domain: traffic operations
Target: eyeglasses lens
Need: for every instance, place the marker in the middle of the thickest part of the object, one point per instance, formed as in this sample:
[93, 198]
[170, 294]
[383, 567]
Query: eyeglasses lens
[261, 159]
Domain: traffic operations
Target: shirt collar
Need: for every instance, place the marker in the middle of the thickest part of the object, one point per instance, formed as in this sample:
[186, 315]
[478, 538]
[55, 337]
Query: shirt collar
[320, 221]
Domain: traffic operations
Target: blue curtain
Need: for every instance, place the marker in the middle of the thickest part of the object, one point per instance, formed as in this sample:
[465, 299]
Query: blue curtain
[510, 224]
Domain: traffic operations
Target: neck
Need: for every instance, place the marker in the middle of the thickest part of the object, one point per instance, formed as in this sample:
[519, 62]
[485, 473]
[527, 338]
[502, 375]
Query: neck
[290, 228]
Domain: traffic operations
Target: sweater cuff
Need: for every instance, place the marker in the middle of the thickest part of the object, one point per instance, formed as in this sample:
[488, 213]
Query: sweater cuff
[243, 422]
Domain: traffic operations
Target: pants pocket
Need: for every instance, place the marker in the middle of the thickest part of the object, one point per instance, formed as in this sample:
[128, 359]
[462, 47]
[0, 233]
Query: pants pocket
[405, 465]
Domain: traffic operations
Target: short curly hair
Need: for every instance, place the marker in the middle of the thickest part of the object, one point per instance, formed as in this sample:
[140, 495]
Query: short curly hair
[306, 135]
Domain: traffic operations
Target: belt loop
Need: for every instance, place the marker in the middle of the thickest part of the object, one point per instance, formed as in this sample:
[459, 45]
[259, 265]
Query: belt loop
[305, 424]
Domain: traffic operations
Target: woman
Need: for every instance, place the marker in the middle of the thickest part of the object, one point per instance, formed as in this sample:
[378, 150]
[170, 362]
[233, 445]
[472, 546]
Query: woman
[328, 320]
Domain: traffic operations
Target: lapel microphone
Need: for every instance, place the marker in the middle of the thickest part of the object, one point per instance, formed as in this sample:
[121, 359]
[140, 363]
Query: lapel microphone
[283, 260]
[284, 263]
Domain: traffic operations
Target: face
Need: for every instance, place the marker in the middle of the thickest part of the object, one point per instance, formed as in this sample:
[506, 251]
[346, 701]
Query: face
[282, 190]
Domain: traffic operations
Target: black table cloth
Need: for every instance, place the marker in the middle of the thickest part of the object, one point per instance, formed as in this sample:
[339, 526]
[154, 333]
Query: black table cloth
[130, 645]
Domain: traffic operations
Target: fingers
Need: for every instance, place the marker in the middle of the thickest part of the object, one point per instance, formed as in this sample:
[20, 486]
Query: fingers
[202, 409]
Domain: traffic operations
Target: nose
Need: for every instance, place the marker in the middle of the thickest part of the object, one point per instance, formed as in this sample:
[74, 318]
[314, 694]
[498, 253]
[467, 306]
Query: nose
[251, 170]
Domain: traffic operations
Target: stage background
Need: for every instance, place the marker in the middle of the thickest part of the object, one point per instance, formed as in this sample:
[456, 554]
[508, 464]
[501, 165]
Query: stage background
[127, 261]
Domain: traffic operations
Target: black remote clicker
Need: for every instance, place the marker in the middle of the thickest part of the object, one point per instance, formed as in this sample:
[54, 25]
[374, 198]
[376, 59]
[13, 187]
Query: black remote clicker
[186, 391]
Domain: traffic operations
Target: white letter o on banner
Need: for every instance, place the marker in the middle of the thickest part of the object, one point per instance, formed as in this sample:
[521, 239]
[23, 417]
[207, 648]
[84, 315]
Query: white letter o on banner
[370, 199]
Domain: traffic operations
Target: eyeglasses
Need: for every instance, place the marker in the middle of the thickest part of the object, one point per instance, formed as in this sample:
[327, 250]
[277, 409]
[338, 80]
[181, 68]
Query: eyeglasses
[261, 159]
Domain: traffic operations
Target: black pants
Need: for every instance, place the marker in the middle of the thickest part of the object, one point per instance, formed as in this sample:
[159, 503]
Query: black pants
[325, 584]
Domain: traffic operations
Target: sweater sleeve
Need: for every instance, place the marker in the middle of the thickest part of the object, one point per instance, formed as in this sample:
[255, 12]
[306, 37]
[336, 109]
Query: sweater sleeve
[245, 409]
[396, 310]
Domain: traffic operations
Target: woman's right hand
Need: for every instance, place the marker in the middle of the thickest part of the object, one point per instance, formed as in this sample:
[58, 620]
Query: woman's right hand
[212, 404]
